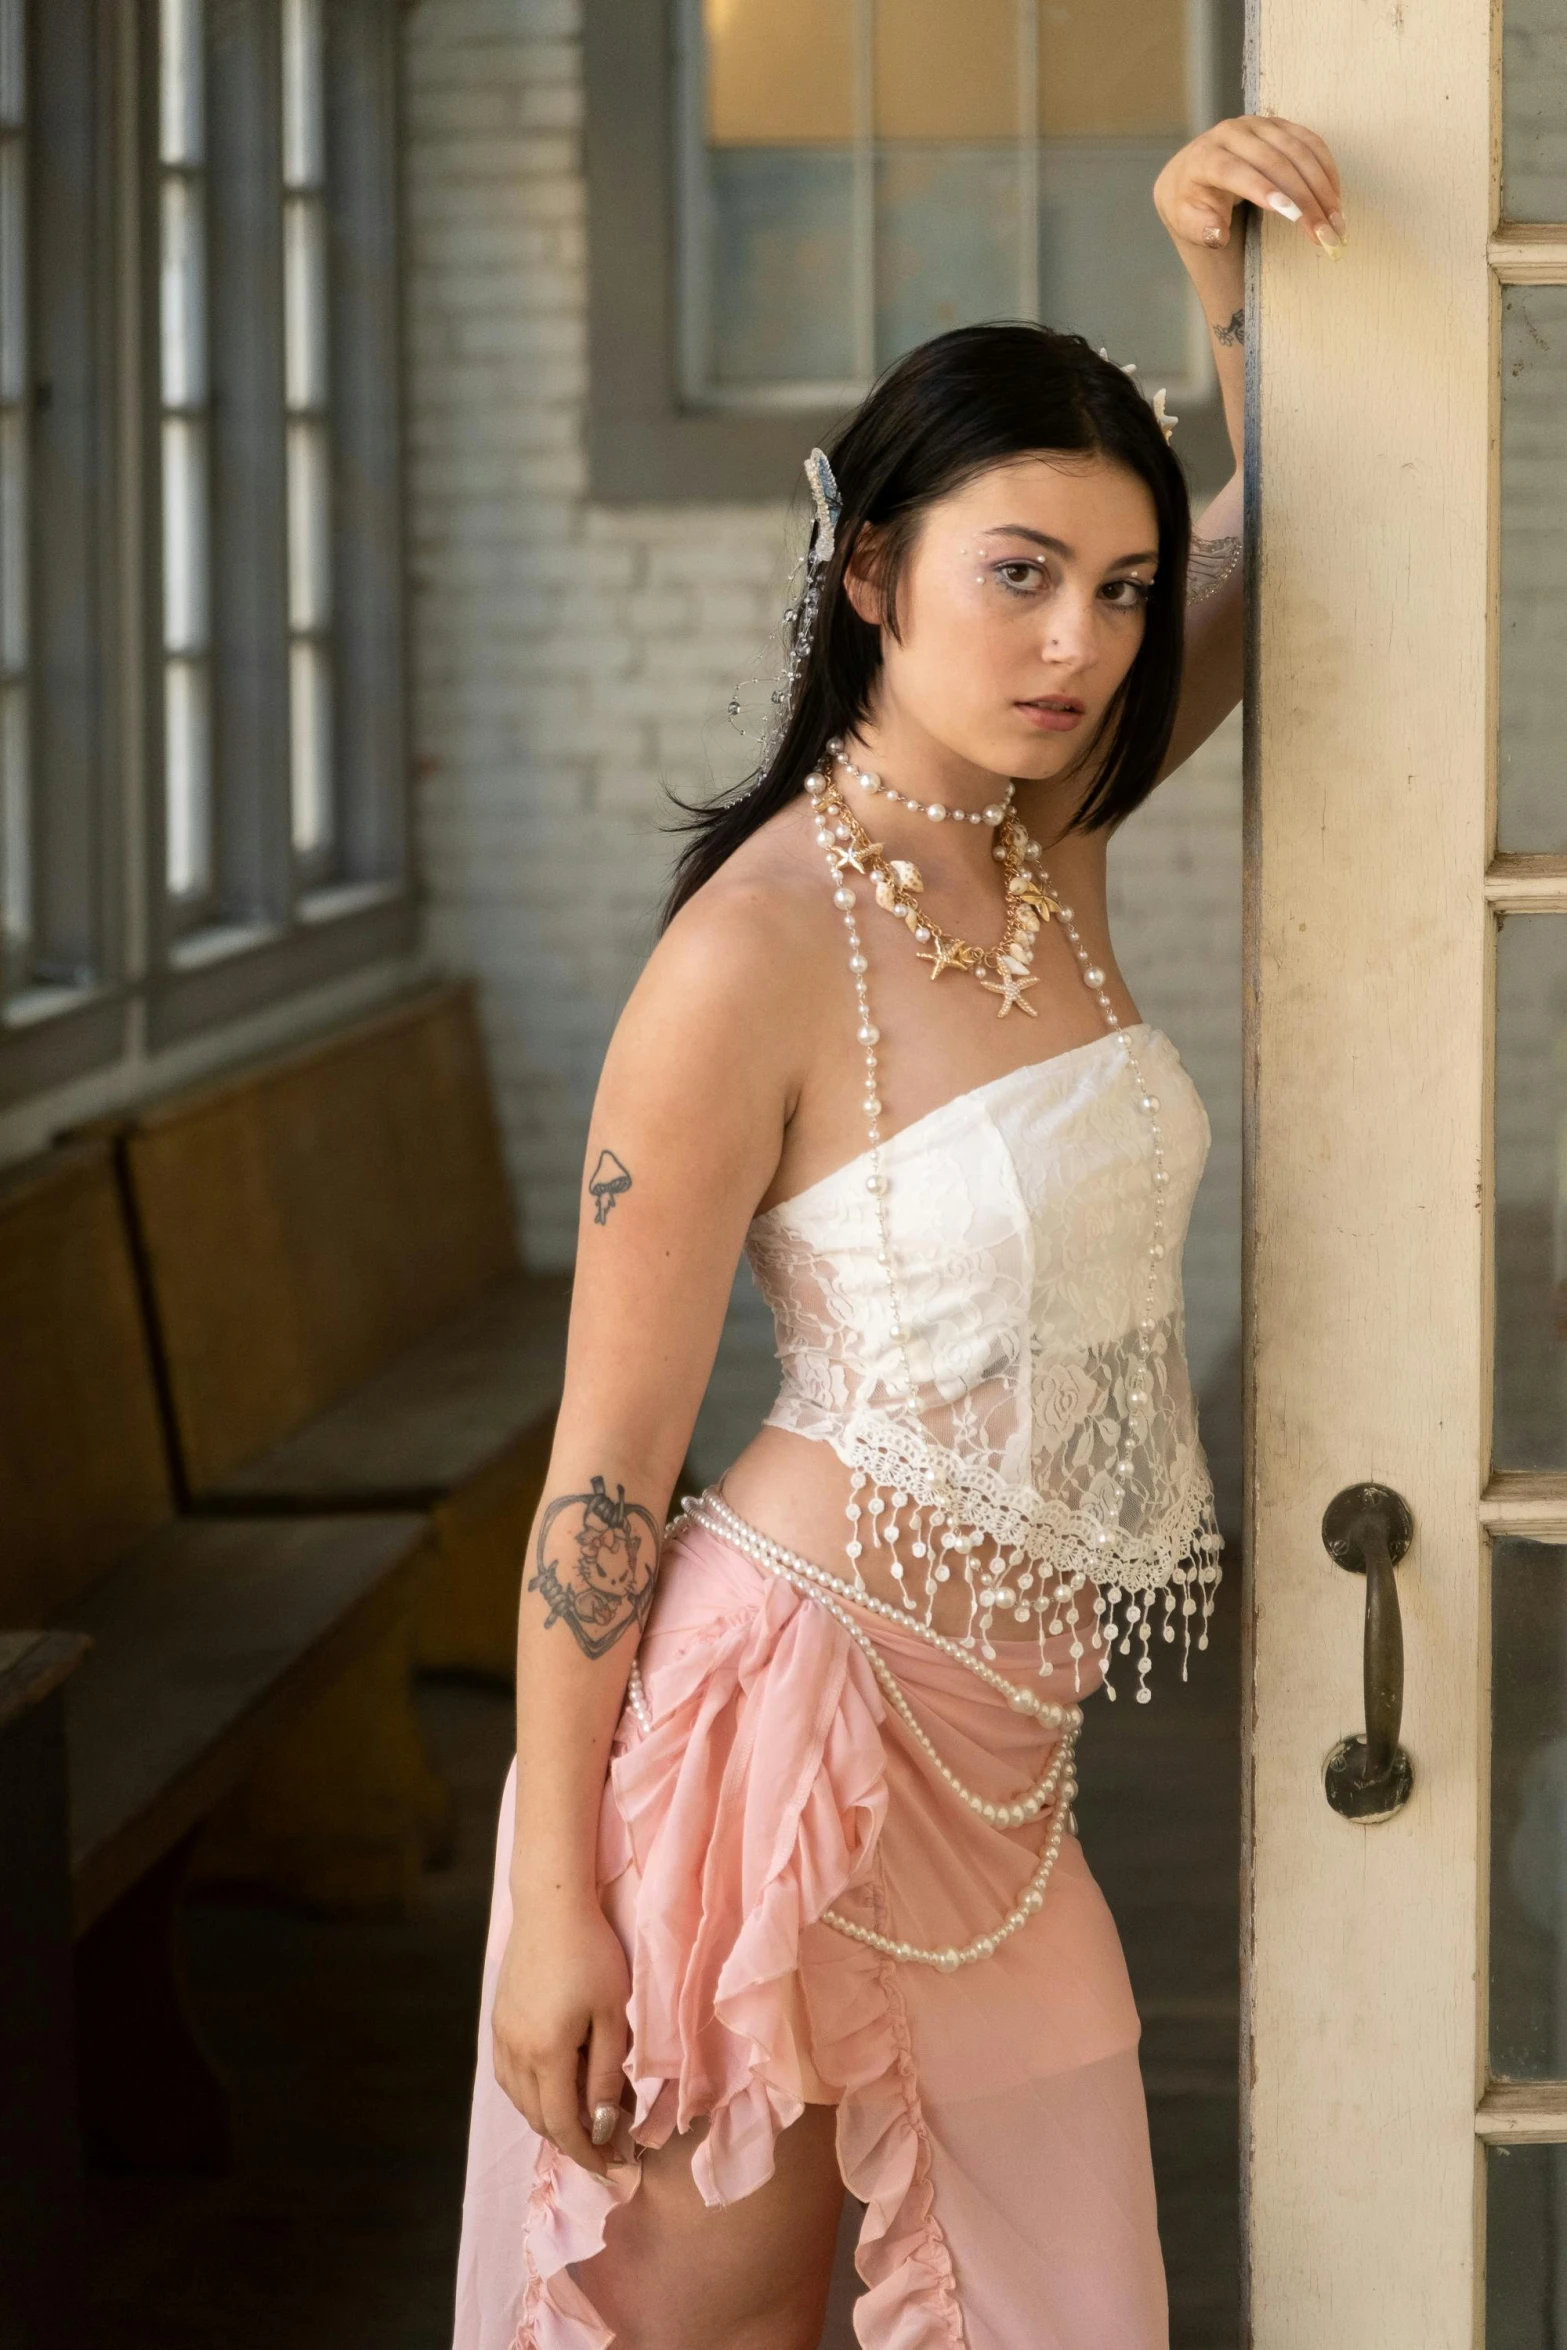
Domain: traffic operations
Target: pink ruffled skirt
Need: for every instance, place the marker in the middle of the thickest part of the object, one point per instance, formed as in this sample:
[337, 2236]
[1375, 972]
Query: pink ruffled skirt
[991, 2120]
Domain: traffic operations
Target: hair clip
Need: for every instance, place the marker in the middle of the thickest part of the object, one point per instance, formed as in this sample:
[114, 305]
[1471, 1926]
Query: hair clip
[828, 505]
[1165, 421]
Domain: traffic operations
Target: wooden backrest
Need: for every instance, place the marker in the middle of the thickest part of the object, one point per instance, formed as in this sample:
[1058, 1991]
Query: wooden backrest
[304, 1220]
[83, 1464]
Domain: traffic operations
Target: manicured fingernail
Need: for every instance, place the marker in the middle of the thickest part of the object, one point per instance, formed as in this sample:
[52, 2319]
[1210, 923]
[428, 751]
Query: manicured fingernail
[1337, 219]
[1328, 241]
[603, 2124]
[1280, 203]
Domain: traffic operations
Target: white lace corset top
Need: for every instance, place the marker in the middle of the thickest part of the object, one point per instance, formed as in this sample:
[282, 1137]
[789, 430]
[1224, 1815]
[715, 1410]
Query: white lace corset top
[1021, 1225]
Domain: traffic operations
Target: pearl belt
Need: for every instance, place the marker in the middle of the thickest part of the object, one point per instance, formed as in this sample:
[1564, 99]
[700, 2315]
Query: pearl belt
[1055, 1787]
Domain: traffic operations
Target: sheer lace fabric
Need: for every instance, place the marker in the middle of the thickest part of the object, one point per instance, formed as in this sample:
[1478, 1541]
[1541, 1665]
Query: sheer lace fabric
[1021, 1217]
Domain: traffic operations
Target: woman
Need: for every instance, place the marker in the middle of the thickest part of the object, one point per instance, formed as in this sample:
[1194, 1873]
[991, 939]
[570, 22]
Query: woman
[787, 1892]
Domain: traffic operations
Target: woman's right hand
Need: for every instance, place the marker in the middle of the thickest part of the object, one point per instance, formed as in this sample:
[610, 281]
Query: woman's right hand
[1260, 159]
[560, 2030]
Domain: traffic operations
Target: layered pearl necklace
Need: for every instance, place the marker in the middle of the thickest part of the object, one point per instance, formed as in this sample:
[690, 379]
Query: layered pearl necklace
[1010, 1587]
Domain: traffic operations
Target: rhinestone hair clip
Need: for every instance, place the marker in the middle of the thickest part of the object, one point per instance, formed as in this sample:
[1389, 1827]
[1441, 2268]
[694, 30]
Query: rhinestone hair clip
[828, 505]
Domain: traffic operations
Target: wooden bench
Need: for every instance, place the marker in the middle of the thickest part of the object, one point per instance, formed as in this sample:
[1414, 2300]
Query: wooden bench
[343, 1321]
[212, 1642]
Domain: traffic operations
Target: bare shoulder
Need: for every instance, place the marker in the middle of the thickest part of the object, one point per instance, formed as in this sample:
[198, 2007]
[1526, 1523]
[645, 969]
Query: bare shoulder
[745, 967]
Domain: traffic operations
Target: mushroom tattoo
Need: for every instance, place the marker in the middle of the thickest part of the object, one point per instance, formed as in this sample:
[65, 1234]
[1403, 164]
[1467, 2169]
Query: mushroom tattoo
[606, 1183]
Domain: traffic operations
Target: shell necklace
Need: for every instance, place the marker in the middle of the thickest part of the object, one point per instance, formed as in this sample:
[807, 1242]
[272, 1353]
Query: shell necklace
[898, 884]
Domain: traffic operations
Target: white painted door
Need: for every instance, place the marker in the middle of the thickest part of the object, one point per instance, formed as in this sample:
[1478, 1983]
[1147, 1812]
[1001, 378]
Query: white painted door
[1405, 2138]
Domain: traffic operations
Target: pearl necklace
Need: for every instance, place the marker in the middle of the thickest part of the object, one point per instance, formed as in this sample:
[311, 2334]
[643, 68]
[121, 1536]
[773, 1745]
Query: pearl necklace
[1055, 1787]
[934, 809]
[996, 1591]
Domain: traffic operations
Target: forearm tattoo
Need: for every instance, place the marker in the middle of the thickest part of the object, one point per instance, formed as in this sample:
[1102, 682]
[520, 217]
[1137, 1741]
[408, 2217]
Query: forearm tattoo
[1233, 330]
[597, 1564]
[606, 1183]
[1211, 563]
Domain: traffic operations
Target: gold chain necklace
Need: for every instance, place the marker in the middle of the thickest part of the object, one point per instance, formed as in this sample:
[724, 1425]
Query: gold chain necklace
[897, 886]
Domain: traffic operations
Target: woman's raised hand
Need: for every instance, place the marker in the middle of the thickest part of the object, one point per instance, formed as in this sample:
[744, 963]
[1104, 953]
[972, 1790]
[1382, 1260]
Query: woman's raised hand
[1256, 159]
[560, 2029]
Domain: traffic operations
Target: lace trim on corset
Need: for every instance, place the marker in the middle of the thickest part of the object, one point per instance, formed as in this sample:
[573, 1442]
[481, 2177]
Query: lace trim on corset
[1078, 1545]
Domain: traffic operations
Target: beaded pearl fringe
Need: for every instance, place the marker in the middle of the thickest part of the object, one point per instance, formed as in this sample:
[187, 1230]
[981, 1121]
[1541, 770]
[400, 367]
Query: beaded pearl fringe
[1054, 1788]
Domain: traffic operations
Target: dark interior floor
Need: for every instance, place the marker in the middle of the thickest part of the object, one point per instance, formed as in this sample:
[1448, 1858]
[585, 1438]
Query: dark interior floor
[349, 2050]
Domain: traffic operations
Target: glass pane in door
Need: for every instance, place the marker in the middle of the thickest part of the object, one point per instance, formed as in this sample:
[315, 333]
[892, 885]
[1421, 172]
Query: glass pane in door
[1531, 1194]
[1532, 747]
[1534, 110]
[1528, 2035]
[1525, 2243]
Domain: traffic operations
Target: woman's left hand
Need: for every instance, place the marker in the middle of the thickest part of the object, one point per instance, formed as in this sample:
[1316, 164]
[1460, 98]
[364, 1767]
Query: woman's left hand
[1258, 159]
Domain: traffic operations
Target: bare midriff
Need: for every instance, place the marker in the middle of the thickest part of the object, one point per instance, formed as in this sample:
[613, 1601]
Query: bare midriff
[795, 1489]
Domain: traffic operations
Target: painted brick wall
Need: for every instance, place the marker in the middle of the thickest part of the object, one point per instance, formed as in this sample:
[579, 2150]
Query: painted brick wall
[570, 660]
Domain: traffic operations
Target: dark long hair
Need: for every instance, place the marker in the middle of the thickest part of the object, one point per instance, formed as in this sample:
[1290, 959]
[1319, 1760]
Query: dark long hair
[967, 400]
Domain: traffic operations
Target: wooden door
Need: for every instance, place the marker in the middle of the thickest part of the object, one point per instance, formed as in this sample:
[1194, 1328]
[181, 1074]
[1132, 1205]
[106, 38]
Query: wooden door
[1405, 2131]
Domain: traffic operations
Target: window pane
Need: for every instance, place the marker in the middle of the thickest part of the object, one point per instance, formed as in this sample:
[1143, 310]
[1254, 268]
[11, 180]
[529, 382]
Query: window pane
[1529, 1811]
[185, 556]
[1525, 2247]
[1531, 1194]
[309, 527]
[13, 64]
[782, 300]
[303, 140]
[13, 541]
[13, 270]
[310, 713]
[779, 72]
[304, 293]
[16, 889]
[180, 111]
[944, 72]
[1534, 111]
[184, 294]
[187, 771]
[946, 241]
[1531, 760]
[1131, 82]
[1106, 268]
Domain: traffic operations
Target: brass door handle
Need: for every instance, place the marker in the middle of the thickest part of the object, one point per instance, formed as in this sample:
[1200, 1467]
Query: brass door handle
[1367, 1529]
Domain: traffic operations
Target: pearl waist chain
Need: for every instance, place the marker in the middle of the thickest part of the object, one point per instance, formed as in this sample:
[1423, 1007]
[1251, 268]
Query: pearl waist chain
[1052, 1790]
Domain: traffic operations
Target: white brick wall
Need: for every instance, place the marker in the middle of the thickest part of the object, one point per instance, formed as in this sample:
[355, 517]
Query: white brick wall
[571, 659]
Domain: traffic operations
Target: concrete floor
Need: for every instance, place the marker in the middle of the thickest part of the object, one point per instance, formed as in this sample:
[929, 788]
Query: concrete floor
[349, 2049]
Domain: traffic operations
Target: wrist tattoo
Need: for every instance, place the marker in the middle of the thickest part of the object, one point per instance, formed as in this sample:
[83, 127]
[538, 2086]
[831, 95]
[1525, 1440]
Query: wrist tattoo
[597, 1564]
[606, 1183]
[1233, 330]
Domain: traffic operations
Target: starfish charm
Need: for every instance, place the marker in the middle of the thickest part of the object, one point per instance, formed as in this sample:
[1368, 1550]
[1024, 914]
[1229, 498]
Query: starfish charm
[853, 855]
[1010, 988]
[946, 955]
[1029, 892]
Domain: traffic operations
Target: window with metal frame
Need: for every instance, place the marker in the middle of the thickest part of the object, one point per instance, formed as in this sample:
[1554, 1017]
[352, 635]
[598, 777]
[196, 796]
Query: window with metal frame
[16, 841]
[280, 755]
[60, 919]
[857, 175]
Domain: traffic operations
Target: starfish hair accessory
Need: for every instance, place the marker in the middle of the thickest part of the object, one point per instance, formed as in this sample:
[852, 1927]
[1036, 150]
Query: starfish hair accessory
[1165, 421]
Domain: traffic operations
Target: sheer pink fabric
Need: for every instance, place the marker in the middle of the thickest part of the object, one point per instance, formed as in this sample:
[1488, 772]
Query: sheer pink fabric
[991, 2120]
